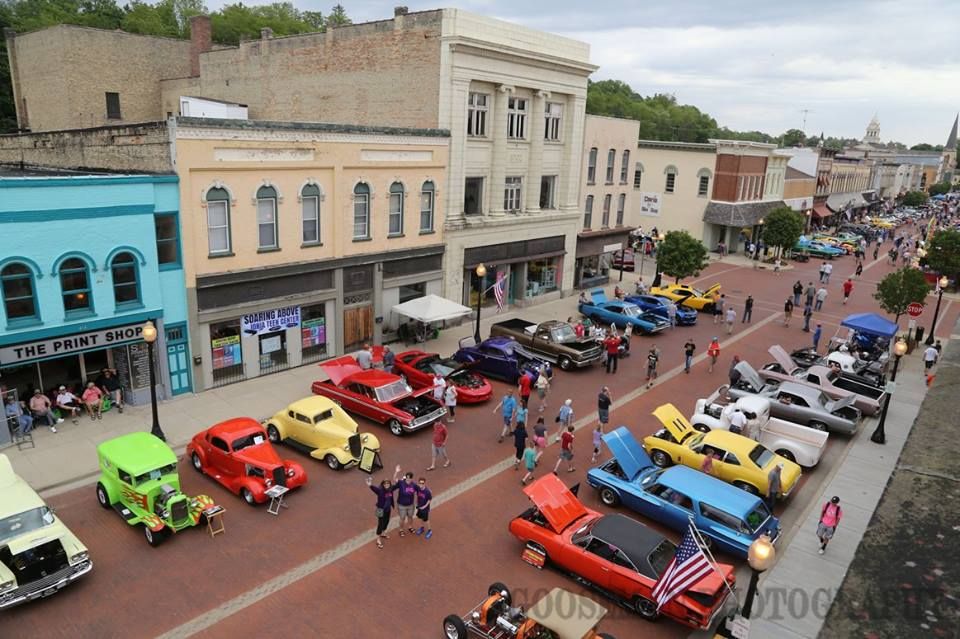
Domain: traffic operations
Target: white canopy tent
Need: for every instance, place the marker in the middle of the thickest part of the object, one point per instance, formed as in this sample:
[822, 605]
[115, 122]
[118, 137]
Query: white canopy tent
[431, 308]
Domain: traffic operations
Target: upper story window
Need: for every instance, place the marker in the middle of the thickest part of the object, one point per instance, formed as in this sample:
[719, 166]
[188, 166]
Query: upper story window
[516, 118]
[548, 189]
[624, 166]
[611, 160]
[218, 222]
[395, 218]
[552, 114]
[19, 295]
[703, 183]
[621, 205]
[310, 214]
[75, 286]
[605, 222]
[113, 106]
[637, 176]
[168, 238]
[511, 194]
[126, 289]
[477, 114]
[473, 196]
[671, 182]
[267, 218]
[592, 166]
[361, 211]
[427, 199]
[588, 212]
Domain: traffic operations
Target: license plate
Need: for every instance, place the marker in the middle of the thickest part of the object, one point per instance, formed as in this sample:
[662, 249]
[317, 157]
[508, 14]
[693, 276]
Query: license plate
[534, 557]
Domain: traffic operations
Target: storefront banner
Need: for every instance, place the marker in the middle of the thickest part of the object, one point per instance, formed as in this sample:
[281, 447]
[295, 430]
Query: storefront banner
[226, 351]
[649, 204]
[59, 346]
[270, 321]
[314, 332]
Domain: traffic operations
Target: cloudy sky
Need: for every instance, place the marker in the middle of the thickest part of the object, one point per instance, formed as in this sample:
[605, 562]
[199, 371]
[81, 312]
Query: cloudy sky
[757, 64]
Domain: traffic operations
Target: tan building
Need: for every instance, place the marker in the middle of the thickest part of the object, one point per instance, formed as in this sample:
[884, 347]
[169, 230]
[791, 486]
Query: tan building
[672, 183]
[607, 194]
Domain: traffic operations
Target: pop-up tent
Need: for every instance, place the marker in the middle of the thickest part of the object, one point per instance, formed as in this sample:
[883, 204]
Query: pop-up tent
[431, 308]
[870, 323]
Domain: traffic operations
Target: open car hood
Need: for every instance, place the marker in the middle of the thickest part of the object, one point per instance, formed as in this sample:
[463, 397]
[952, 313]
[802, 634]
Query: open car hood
[783, 358]
[674, 421]
[340, 368]
[749, 375]
[628, 452]
[598, 296]
[836, 405]
[554, 500]
[713, 289]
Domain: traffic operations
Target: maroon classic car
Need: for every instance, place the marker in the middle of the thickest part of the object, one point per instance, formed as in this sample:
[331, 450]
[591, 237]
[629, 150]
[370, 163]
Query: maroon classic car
[419, 368]
[379, 396]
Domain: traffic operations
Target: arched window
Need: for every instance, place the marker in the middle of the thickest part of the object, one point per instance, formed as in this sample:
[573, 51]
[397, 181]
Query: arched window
[703, 182]
[218, 221]
[126, 288]
[395, 219]
[637, 176]
[361, 211]
[19, 295]
[588, 213]
[427, 193]
[624, 166]
[310, 211]
[671, 181]
[267, 218]
[75, 286]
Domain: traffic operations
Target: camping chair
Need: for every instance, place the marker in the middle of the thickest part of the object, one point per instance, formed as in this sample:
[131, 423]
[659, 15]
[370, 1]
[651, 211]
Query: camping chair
[20, 438]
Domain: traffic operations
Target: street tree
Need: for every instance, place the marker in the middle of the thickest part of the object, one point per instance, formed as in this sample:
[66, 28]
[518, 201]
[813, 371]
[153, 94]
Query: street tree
[900, 289]
[943, 253]
[914, 198]
[782, 227]
[793, 137]
[681, 255]
[939, 188]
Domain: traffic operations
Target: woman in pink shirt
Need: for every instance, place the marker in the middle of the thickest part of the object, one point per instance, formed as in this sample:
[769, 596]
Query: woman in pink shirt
[830, 516]
[91, 399]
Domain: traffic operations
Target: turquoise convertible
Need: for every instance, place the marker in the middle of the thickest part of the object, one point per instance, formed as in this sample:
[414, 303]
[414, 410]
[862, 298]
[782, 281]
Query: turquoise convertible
[817, 249]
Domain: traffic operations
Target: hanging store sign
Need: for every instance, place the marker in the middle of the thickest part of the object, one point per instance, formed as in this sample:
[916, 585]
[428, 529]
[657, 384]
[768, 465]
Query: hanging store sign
[277, 319]
[59, 346]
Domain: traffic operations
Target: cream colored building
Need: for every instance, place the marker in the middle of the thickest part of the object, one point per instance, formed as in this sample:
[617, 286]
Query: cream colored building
[672, 184]
[298, 239]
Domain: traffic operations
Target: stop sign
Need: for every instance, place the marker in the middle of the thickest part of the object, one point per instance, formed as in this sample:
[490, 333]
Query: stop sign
[915, 309]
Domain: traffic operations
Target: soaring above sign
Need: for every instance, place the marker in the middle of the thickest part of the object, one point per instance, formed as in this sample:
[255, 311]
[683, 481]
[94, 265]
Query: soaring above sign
[276, 319]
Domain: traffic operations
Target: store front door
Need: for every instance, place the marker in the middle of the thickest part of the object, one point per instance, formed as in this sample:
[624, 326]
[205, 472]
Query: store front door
[177, 360]
[357, 326]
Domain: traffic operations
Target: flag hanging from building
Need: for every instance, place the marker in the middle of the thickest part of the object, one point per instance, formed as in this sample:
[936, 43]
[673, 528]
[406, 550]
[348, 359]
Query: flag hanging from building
[688, 567]
[498, 290]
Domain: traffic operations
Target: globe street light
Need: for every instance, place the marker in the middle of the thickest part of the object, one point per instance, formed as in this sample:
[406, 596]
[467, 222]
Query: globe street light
[760, 556]
[879, 436]
[942, 284]
[481, 272]
[150, 336]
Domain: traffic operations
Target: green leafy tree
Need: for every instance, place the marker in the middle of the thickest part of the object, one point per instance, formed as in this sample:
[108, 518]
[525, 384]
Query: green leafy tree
[923, 146]
[900, 289]
[939, 189]
[8, 114]
[681, 255]
[943, 253]
[793, 137]
[914, 198]
[782, 227]
[338, 17]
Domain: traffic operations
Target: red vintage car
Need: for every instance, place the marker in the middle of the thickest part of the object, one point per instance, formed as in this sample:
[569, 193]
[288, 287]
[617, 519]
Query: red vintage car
[238, 454]
[618, 556]
[419, 368]
[382, 397]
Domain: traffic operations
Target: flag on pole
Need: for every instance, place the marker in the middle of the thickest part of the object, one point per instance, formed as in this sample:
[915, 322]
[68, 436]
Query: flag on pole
[687, 568]
[498, 290]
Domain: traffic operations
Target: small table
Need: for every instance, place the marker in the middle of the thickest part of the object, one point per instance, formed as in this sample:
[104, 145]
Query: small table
[214, 516]
[276, 493]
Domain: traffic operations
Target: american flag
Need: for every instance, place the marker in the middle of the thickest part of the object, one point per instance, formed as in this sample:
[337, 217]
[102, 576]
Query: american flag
[498, 290]
[688, 567]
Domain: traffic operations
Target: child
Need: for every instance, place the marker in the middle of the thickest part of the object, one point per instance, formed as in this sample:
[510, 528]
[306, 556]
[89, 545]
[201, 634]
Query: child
[597, 440]
[530, 456]
[540, 438]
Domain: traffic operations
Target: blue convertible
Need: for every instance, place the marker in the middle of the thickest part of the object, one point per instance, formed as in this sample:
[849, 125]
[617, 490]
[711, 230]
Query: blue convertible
[501, 358]
[660, 305]
[729, 518]
[606, 312]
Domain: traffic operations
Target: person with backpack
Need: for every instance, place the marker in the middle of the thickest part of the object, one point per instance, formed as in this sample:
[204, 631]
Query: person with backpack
[830, 516]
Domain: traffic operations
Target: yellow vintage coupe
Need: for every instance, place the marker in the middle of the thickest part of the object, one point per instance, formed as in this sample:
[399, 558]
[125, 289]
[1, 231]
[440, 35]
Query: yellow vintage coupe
[689, 296]
[738, 460]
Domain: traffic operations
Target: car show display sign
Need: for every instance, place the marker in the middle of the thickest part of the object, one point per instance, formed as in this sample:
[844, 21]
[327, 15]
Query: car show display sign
[276, 319]
[370, 461]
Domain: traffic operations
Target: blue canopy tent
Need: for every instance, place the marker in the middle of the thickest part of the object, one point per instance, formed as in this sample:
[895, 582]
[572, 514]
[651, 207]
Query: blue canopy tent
[870, 323]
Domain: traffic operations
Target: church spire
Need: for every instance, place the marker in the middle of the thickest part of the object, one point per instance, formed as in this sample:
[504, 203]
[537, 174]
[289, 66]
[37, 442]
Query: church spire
[952, 138]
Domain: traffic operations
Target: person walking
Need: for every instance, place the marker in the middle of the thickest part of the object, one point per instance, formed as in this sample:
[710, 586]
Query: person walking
[539, 438]
[823, 272]
[810, 293]
[439, 445]
[450, 401]
[524, 385]
[565, 416]
[797, 292]
[566, 451]
[830, 516]
[821, 298]
[876, 250]
[787, 312]
[847, 289]
[603, 406]
[507, 408]
[774, 485]
[817, 332]
[543, 387]
[930, 356]
[713, 352]
[406, 497]
[748, 310]
[424, 497]
[688, 349]
[519, 443]
[672, 313]
[653, 358]
[859, 270]
[827, 272]
[384, 493]
[718, 303]
[807, 316]
[612, 345]
[439, 385]
[597, 442]
[730, 319]
[530, 458]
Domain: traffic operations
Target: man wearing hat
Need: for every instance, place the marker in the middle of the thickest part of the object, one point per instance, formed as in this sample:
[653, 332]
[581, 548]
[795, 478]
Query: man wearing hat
[830, 516]
[40, 407]
[67, 402]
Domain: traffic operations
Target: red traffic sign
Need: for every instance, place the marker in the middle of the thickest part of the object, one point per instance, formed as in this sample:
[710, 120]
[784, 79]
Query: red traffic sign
[915, 309]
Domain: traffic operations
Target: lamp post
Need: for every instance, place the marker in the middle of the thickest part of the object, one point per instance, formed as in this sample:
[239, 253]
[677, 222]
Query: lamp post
[942, 283]
[760, 556]
[481, 272]
[150, 336]
[756, 244]
[656, 249]
[879, 436]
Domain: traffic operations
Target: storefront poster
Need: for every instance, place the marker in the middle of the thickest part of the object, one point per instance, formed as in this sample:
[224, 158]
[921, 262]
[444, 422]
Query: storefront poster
[313, 332]
[226, 351]
[649, 204]
[270, 345]
[276, 319]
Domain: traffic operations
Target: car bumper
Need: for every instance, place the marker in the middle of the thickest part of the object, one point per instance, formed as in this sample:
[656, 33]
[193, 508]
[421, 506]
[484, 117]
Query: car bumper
[46, 586]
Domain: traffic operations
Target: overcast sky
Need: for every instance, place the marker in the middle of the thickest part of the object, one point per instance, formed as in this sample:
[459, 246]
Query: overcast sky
[756, 65]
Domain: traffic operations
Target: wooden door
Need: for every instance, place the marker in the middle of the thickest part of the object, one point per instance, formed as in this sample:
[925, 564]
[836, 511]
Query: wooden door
[357, 326]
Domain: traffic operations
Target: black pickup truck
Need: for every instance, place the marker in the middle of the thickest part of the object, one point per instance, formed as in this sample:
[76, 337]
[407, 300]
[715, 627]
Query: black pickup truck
[553, 341]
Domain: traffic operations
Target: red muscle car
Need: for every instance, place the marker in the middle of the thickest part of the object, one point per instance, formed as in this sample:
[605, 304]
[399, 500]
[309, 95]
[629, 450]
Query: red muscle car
[618, 556]
[379, 396]
[419, 368]
[238, 454]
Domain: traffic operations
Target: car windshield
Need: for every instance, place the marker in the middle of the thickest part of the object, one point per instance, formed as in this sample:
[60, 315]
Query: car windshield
[323, 416]
[761, 456]
[823, 400]
[631, 311]
[582, 532]
[392, 391]
[661, 556]
[156, 473]
[247, 441]
[757, 517]
[25, 522]
[564, 334]
[444, 366]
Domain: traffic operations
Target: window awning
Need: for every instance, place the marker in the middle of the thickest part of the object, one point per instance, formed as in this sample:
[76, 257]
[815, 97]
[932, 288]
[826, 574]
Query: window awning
[821, 211]
[840, 202]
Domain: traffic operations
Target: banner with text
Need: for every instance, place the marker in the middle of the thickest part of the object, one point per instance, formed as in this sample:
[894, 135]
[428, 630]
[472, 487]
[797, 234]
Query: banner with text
[59, 346]
[277, 319]
[649, 204]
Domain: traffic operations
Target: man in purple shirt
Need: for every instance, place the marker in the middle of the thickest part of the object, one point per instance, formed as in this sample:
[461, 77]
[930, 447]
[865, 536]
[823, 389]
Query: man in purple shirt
[424, 497]
[406, 491]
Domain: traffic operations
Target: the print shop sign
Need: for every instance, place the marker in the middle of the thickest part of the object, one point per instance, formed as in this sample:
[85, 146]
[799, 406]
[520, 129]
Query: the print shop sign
[60, 346]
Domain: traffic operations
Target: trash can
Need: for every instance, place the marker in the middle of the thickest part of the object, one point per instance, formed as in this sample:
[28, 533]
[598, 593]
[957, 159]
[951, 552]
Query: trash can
[918, 336]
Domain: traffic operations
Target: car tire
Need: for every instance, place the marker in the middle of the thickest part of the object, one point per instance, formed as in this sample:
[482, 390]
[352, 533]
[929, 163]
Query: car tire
[816, 425]
[454, 628]
[395, 427]
[645, 608]
[746, 487]
[332, 462]
[102, 497]
[273, 434]
[786, 454]
[154, 538]
[565, 363]
[609, 497]
[498, 588]
[248, 496]
[196, 463]
[660, 458]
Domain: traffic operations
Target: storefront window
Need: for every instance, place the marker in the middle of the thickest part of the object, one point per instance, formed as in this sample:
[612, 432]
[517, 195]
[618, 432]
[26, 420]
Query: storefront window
[412, 291]
[542, 276]
[273, 352]
[487, 286]
[226, 352]
[313, 332]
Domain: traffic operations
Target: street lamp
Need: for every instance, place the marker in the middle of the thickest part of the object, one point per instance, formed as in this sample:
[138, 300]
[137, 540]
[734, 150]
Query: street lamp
[656, 250]
[150, 336]
[942, 284]
[760, 556]
[879, 436]
[481, 272]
